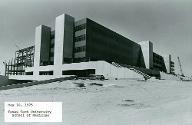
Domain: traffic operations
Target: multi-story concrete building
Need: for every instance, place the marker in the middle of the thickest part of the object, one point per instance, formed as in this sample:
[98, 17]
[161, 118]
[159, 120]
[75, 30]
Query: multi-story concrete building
[85, 47]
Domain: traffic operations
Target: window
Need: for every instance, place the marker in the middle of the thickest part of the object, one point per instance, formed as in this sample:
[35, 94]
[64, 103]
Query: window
[29, 73]
[51, 54]
[80, 49]
[46, 73]
[80, 38]
[79, 73]
[80, 27]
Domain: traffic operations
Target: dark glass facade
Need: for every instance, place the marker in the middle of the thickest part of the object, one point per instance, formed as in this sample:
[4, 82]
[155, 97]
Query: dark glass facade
[105, 44]
[158, 63]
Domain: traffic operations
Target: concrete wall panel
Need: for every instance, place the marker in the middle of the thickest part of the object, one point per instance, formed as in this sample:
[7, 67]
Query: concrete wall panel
[42, 46]
[167, 59]
[64, 26]
[147, 50]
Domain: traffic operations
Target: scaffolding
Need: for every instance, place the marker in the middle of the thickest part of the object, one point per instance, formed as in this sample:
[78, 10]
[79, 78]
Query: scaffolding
[23, 58]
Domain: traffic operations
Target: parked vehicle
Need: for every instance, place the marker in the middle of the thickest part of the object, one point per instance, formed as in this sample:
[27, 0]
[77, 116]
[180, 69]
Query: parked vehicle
[96, 77]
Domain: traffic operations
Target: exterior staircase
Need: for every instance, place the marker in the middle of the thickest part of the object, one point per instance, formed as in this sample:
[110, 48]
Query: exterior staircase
[146, 76]
[183, 78]
[139, 72]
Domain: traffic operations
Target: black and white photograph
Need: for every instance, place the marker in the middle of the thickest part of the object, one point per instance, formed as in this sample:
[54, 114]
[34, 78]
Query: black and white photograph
[95, 62]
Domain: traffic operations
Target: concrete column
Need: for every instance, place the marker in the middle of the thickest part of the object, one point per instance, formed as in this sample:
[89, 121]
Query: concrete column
[147, 50]
[64, 33]
[42, 47]
[167, 60]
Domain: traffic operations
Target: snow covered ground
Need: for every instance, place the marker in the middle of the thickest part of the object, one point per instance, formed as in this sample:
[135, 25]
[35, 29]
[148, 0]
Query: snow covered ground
[117, 102]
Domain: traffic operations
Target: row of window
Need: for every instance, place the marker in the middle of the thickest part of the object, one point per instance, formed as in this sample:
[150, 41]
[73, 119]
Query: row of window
[158, 61]
[80, 49]
[85, 72]
[157, 65]
[80, 38]
[46, 73]
[80, 27]
[156, 56]
[81, 59]
[41, 73]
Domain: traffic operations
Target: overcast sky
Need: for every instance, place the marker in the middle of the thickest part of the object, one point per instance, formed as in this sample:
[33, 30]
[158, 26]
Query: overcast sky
[167, 23]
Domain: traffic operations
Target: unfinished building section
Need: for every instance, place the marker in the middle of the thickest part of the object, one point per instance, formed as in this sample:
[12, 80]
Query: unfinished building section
[23, 58]
[60, 52]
